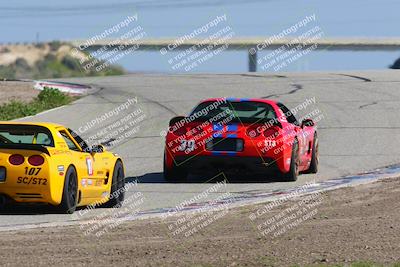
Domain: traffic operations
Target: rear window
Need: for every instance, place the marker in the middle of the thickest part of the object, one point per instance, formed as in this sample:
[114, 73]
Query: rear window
[25, 134]
[243, 111]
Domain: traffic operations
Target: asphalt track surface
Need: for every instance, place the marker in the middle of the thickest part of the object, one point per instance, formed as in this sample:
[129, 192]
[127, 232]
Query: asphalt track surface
[359, 131]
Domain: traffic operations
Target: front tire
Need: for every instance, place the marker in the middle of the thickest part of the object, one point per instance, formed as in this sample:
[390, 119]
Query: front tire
[117, 194]
[70, 192]
[293, 173]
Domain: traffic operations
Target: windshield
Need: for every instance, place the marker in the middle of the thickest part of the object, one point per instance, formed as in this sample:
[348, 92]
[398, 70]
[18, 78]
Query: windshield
[25, 134]
[240, 111]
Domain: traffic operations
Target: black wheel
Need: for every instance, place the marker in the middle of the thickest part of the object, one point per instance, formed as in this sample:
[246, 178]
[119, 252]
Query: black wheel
[314, 157]
[117, 194]
[293, 173]
[174, 174]
[70, 192]
[4, 203]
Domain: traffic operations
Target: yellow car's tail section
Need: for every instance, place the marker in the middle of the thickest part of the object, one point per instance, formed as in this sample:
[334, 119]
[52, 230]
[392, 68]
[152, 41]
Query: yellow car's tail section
[48, 163]
[26, 175]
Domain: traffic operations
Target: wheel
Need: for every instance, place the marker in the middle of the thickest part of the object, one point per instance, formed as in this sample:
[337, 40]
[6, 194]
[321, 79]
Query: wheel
[4, 203]
[174, 174]
[314, 156]
[291, 176]
[117, 194]
[70, 192]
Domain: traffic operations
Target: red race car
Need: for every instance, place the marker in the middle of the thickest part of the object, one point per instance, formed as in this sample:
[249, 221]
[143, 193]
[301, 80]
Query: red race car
[240, 135]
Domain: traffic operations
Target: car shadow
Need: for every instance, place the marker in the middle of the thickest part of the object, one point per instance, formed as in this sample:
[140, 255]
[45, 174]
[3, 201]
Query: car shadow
[148, 178]
[26, 209]
[157, 177]
[14, 208]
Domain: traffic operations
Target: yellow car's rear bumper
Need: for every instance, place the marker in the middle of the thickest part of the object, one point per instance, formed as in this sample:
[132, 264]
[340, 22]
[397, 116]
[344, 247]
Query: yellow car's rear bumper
[28, 193]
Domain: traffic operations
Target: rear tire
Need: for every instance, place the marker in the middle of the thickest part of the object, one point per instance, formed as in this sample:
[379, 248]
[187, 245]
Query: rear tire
[174, 174]
[293, 173]
[70, 192]
[315, 156]
[117, 194]
[4, 203]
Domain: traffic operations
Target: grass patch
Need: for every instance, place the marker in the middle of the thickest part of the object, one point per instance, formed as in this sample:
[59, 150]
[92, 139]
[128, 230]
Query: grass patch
[57, 63]
[48, 98]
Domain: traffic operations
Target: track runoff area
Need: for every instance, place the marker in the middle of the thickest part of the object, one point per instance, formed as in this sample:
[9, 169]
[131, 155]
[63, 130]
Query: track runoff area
[355, 115]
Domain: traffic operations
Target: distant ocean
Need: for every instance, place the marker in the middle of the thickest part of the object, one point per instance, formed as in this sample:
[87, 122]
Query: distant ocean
[45, 20]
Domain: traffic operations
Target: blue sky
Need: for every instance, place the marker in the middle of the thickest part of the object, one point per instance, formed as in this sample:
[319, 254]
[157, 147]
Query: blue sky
[24, 21]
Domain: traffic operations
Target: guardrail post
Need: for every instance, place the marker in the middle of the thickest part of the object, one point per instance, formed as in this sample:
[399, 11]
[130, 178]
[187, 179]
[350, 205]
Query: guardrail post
[252, 60]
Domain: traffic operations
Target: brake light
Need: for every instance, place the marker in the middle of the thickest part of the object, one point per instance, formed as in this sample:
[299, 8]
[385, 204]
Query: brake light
[271, 133]
[252, 132]
[16, 159]
[36, 160]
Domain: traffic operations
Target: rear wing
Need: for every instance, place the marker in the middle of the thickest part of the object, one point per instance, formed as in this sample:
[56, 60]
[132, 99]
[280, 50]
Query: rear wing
[34, 147]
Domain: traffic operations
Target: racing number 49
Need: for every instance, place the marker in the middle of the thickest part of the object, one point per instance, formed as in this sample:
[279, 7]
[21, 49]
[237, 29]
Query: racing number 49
[32, 171]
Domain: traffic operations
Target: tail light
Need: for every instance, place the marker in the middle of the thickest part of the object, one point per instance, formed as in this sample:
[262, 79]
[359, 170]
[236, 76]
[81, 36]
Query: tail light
[252, 132]
[16, 159]
[36, 160]
[271, 133]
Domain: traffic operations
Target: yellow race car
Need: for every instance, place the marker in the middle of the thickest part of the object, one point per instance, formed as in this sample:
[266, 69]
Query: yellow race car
[49, 163]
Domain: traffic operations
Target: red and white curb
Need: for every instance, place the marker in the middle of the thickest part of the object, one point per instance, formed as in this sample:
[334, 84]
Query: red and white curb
[70, 88]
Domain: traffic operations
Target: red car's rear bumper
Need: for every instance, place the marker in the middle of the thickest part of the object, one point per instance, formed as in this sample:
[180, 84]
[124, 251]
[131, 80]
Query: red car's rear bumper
[252, 159]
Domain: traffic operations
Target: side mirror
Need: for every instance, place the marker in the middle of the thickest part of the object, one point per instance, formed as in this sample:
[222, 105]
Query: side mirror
[97, 149]
[176, 119]
[307, 123]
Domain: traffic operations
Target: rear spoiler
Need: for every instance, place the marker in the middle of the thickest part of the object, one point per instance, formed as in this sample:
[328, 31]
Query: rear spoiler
[26, 147]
